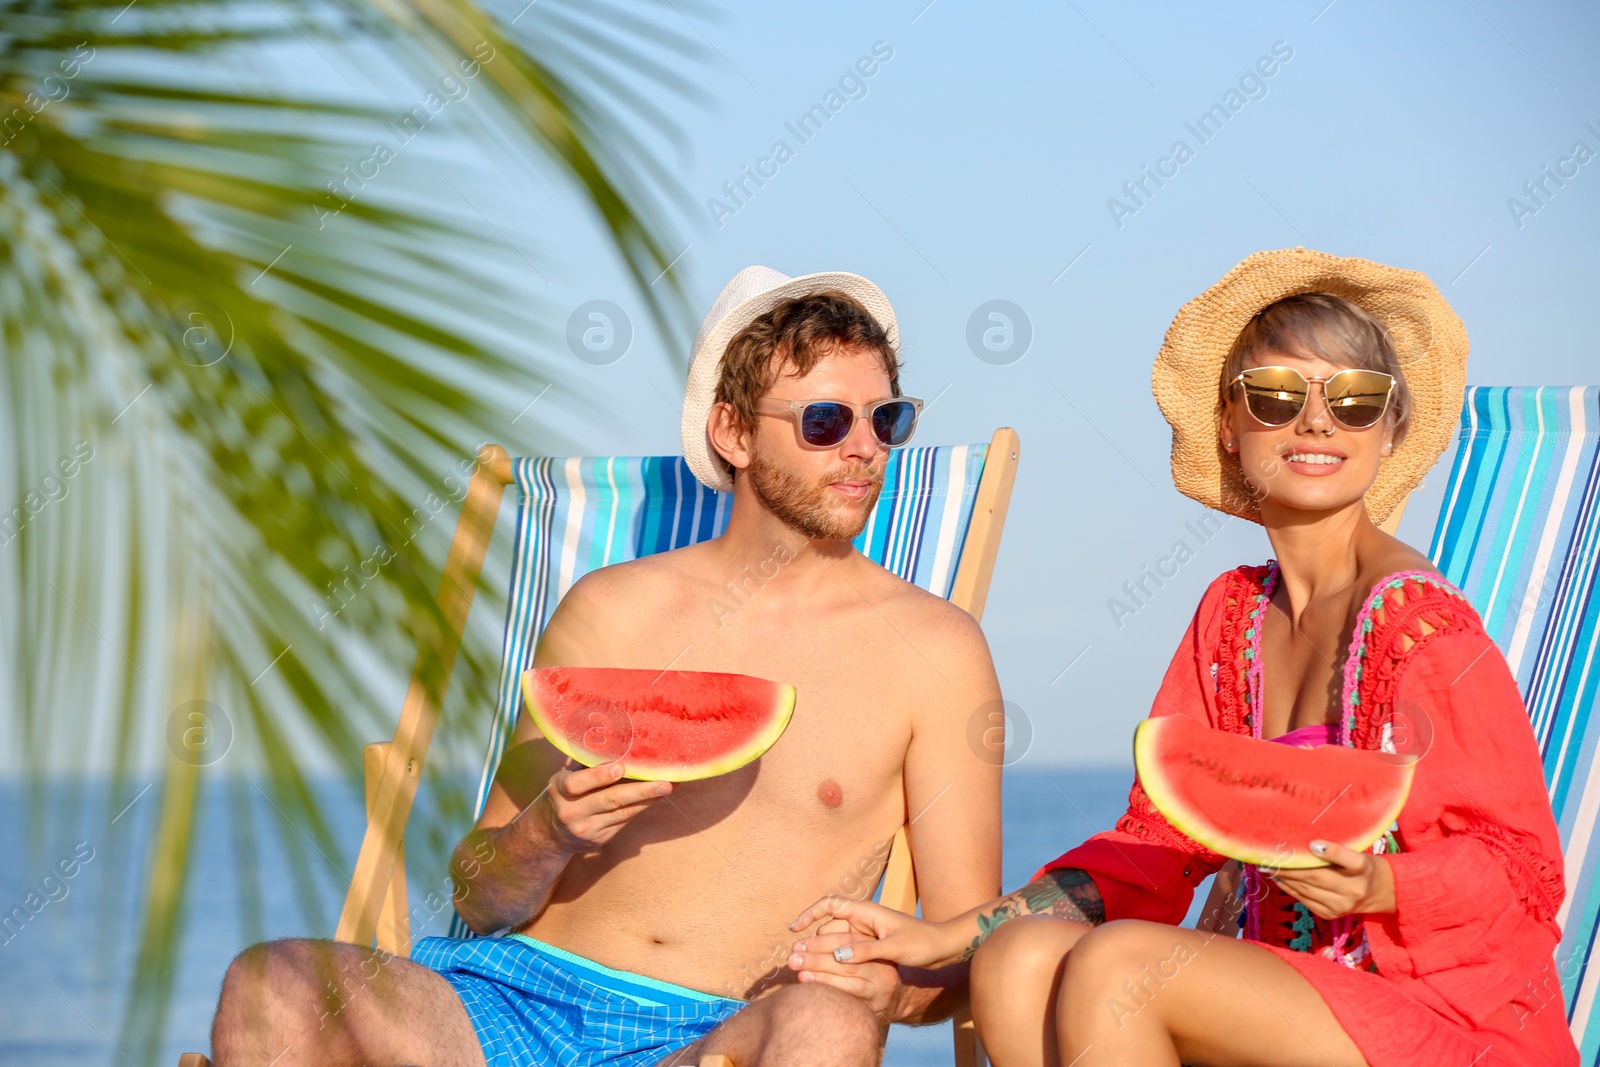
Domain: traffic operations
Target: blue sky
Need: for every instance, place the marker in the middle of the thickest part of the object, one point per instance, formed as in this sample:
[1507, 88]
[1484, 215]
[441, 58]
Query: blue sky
[976, 164]
[978, 153]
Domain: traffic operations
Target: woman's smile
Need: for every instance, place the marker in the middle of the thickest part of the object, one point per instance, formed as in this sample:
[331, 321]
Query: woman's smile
[1314, 461]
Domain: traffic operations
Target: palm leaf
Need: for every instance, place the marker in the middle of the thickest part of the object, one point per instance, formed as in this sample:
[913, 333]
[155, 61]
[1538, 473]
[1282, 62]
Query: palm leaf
[268, 393]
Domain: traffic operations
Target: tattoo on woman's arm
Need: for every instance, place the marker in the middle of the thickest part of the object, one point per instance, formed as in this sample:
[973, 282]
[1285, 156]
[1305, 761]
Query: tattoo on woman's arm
[1067, 893]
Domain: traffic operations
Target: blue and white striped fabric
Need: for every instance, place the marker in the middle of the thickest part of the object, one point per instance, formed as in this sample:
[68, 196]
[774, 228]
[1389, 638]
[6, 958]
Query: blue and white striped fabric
[578, 514]
[1519, 533]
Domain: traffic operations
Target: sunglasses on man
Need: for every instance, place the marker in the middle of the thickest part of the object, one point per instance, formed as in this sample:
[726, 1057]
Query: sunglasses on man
[825, 423]
[1356, 399]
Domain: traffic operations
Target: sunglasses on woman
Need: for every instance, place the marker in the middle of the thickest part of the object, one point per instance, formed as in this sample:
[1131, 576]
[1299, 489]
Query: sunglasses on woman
[825, 423]
[1356, 399]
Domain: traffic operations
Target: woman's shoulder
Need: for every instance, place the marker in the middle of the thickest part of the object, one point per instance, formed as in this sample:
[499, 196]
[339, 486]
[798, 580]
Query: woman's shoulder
[1395, 573]
[1246, 578]
[1407, 609]
[1232, 591]
[1415, 624]
[1400, 594]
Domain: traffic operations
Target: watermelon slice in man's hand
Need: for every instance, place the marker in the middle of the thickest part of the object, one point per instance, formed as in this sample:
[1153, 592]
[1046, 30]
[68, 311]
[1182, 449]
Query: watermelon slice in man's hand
[667, 726]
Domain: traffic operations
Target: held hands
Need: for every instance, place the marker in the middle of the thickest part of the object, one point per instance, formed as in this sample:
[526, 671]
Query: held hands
[869, 932]
[584, 807]
[1353, 883]
[817, 960]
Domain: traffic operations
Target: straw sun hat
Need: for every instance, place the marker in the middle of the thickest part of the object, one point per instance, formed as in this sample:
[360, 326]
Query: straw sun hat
[752, 293]
[1428, 338]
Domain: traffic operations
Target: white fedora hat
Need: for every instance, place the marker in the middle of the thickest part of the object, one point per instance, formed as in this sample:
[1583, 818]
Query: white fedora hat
[752, 293]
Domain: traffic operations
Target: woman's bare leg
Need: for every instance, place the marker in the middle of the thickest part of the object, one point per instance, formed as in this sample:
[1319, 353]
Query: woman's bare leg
[1015, 978]
[1146, 993]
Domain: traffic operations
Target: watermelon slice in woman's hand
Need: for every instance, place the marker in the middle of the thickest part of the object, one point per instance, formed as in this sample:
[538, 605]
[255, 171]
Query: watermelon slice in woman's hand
[1264, 803]
[667, 726]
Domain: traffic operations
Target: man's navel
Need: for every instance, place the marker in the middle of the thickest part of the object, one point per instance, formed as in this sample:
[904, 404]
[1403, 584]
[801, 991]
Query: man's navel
[830, 793]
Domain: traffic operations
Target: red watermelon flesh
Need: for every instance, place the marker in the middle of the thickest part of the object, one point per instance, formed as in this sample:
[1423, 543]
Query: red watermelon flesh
[666, 726]
[1264, 803]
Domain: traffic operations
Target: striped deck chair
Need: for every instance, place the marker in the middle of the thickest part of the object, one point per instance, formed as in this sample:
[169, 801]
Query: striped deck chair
[937, 524]
[1519, 533]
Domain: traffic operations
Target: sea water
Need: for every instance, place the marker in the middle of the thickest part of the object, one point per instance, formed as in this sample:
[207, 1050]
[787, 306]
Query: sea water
[65, 971]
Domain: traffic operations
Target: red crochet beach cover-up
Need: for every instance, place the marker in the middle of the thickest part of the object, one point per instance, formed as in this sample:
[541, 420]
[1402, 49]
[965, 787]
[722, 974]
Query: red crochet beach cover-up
[1462, 971]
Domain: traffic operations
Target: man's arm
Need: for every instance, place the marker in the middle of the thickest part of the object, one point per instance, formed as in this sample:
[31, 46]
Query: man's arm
[505, 869]
[542, 810]
[952, 777]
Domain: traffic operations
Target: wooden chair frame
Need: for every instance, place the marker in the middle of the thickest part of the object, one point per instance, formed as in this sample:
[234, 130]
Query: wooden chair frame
[375, 908]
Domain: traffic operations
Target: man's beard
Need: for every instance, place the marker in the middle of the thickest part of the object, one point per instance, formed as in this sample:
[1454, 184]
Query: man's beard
[804, 507]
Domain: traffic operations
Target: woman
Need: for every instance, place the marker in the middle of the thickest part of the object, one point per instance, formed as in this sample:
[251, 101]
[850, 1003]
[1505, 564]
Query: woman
[1338, 384]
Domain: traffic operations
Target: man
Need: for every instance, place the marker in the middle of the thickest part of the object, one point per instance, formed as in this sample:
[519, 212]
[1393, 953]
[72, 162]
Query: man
[649, 920]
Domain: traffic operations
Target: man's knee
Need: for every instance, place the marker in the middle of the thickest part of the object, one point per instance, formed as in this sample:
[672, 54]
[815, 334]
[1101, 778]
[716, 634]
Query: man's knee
[249, 980]
[816, 1010]
[271, 969]
[273, 987]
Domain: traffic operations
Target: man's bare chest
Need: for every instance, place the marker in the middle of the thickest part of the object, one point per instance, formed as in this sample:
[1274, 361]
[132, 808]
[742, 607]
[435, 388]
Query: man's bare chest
[843, 752]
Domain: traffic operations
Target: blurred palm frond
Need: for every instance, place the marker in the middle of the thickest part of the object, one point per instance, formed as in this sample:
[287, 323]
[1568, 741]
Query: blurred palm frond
[251, 331]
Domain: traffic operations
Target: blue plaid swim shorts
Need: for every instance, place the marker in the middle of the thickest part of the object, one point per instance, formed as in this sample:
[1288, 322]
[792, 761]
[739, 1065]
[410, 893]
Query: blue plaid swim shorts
[533, 1003]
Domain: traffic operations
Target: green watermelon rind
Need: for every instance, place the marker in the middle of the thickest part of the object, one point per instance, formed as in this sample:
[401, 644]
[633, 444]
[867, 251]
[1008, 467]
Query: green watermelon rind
[647, 771]
[1194, 826]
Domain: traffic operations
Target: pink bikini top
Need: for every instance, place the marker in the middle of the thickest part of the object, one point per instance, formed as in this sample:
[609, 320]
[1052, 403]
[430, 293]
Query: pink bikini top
[1313, 736]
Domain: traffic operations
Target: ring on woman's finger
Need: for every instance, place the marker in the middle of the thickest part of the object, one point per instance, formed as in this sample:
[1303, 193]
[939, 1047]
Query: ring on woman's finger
[843, 954]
